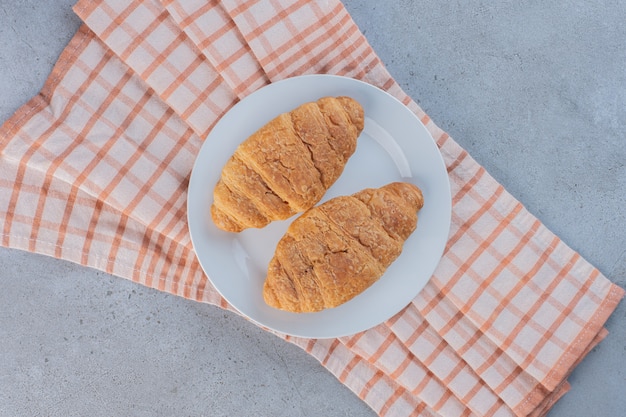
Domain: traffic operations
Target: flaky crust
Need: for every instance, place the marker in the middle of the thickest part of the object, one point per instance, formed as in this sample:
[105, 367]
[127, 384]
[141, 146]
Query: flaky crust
[335, 251]
[286, 166]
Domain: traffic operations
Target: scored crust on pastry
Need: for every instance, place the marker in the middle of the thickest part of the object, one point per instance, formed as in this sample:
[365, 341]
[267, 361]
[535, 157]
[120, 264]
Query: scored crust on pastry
[287, 166]
[335, 251]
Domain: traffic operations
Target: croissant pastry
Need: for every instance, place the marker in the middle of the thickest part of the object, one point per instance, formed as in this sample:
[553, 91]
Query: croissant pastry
[336, 250]
[287, 166]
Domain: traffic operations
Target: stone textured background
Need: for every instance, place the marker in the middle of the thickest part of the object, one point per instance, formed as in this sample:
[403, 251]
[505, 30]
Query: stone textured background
[535, 91]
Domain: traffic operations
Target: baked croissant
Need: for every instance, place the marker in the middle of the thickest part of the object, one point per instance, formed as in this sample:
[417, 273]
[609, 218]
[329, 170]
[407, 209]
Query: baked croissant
[287, 165]
[336, 250]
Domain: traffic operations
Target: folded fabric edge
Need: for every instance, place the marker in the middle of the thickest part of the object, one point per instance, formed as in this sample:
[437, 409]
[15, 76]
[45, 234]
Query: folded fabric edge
[372, 390]
[588, 338]
[10, 126]
[190, 106]
[544, 408]
[84, 6]
[42, 102]
[609, 301]
[373, 344]
[564, 386]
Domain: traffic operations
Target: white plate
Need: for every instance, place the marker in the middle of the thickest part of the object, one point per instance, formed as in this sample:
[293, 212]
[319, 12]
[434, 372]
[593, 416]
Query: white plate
[394, 146]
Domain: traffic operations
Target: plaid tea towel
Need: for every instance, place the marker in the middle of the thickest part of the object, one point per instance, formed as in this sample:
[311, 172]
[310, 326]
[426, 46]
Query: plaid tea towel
[95, 170]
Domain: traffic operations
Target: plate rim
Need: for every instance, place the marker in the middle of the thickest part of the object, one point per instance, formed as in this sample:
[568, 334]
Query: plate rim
[266, 90]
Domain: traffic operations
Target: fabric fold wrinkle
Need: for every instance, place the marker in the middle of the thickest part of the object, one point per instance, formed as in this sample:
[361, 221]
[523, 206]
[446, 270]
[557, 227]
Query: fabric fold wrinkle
[365, 379]
[435, 354]
[519, 390]
[298, 37]
[507, 379]
[112, 251]
[100, 145]
[219, 39]
[501, 278]
[161, 54]
[392, 357]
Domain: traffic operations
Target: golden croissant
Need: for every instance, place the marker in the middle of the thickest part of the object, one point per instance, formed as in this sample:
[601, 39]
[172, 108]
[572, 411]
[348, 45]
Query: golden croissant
[287, 166]
[336, 250]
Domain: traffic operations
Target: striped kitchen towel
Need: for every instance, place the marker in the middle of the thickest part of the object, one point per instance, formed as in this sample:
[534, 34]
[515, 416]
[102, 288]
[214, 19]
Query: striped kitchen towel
[95, 170]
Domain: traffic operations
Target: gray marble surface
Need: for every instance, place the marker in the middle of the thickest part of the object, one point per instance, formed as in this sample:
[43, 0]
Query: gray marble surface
[535, 91]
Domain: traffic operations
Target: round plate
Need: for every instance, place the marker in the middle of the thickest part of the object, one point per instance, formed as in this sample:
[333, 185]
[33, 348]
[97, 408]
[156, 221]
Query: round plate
[394, 146]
